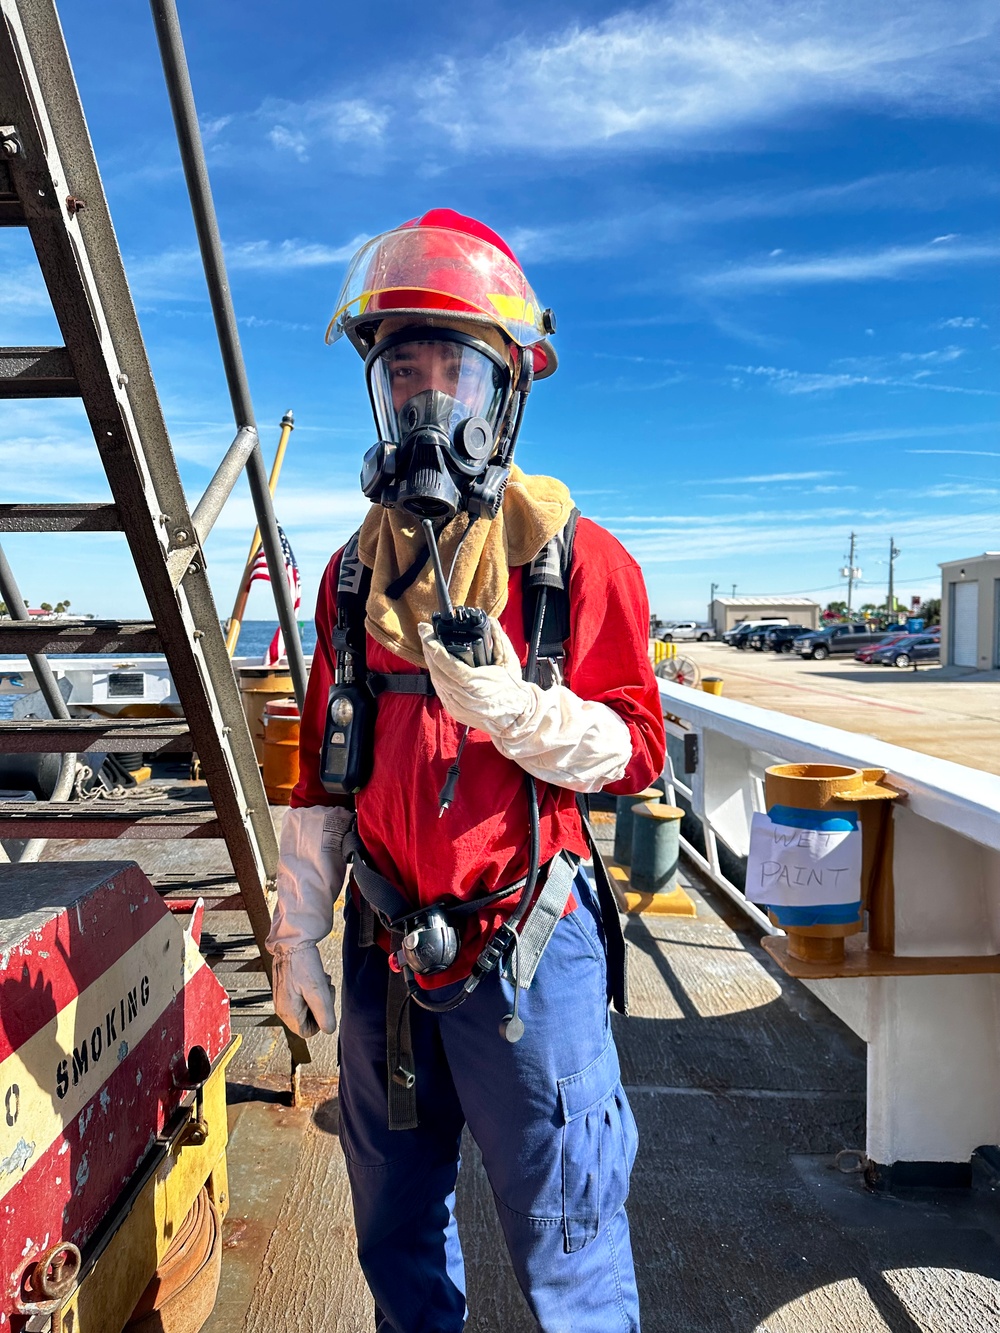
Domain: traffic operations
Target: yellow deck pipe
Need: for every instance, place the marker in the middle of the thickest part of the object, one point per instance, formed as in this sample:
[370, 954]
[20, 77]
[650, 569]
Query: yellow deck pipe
[240, 606]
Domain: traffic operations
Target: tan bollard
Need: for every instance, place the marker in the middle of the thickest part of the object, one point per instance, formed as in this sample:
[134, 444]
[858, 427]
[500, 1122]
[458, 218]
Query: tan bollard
[837, 789]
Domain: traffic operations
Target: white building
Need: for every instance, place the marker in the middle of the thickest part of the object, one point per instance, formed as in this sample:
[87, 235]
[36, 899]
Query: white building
[970, 611]
[725, 612]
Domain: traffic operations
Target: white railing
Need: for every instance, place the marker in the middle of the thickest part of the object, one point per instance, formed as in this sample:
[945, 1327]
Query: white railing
[933, 1041]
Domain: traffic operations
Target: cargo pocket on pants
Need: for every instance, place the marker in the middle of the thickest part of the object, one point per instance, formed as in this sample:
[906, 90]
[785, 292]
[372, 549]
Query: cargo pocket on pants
[598, 1147]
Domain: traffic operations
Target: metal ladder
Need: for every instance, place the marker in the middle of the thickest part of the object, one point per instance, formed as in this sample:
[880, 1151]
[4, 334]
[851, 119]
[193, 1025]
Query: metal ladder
[49, 183]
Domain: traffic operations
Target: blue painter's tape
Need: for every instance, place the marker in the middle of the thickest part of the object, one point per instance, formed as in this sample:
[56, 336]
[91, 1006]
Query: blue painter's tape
[823, 820]
[827, 914]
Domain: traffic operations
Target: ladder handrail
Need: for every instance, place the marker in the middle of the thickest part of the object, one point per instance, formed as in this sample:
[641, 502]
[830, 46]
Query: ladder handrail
[46, 681]
[178, 79]
[219, 489]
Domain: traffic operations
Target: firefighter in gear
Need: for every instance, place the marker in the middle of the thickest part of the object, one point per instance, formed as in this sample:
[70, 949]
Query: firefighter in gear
[519, 1047]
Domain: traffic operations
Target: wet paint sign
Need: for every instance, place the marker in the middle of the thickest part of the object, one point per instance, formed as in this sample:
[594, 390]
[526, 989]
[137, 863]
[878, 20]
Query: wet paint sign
[804, 858]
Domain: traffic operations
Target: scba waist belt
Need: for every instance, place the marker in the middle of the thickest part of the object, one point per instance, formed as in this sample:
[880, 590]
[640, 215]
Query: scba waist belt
[401, 682]
[381, 899]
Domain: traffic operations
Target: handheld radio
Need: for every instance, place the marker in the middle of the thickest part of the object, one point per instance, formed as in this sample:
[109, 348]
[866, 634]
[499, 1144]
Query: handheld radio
[464, 630]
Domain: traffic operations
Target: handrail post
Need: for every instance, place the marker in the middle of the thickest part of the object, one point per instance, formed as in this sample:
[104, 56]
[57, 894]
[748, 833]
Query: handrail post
[178, 79]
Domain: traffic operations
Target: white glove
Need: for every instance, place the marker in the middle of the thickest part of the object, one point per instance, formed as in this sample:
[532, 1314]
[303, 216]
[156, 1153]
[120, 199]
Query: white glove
[553, 734]
[311, 873]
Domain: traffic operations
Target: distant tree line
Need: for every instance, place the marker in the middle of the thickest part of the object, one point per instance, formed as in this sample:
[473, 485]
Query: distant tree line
[58, 609]
[929, 611]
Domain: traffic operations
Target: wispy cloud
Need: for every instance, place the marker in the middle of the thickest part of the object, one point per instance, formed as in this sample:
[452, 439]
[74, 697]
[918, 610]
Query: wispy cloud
[858, 266]
[880, 433]
[691, 74]
[22, 292]
[354, 123]
[176, 273]
[711, 537]
[965, 453]
[788, 381]
[279, 256]
[947, 490]
[961, 322]
[763, 478]
[580, 239]
[698, 70]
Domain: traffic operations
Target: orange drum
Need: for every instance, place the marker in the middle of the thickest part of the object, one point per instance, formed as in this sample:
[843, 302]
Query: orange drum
[281, 749]
[258, 684]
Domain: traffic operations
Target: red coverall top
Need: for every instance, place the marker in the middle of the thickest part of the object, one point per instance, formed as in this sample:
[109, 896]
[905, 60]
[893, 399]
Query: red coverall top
[481, 843]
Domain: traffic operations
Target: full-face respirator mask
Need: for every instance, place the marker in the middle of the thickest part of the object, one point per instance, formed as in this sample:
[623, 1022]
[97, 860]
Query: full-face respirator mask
[447, 412]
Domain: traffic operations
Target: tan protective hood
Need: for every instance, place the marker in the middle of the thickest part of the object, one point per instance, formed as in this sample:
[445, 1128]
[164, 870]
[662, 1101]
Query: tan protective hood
[534, 510]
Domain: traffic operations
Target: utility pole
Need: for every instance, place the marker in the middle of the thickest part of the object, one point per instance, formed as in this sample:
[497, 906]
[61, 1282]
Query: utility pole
[893, 552]
[734, 589]
[850, 578]
[850, 573]
[711, 603]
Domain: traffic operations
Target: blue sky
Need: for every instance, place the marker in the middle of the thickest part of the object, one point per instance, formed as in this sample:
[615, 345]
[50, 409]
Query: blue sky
[769, 232]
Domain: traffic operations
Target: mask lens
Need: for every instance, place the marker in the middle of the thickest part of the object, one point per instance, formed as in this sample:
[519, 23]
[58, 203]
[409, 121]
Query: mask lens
[461, 380]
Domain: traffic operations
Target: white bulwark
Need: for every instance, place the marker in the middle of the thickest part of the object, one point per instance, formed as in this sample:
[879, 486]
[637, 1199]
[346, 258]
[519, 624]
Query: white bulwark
[970, 612]
[725, 612]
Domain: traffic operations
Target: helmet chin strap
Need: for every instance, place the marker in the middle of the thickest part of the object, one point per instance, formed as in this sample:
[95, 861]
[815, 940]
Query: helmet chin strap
[525, 379]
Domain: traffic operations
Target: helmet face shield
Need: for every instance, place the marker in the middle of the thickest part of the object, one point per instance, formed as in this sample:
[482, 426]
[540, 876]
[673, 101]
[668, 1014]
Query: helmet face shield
[438, 270]
[416, 380]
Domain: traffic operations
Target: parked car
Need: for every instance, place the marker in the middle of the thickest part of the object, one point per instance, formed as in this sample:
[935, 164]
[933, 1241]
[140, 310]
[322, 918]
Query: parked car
[778, 637]
[865, 654]
[688, 631]
[738, 636]
[820, 644]
[905, 652]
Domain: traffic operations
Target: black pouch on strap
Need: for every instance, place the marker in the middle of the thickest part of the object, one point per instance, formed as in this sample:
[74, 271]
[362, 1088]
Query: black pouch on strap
[614, 933]
[400, 1061]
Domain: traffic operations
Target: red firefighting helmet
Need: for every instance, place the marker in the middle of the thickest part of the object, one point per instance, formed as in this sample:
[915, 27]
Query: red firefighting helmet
[439, 266]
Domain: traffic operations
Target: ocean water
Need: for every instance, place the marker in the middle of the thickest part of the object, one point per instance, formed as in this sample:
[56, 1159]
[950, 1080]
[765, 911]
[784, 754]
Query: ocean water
[255, 636]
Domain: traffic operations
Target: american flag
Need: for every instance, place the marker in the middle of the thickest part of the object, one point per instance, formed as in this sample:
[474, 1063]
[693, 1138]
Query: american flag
[259, 572]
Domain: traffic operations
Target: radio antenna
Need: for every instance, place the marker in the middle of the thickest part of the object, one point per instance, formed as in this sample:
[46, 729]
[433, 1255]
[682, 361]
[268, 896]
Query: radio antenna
[444, 597]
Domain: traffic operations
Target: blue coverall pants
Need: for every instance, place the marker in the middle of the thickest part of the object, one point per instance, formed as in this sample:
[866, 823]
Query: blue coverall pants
[549, 1115]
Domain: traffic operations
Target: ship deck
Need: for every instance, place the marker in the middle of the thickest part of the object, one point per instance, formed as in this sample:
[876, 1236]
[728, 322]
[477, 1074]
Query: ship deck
[744, 1087]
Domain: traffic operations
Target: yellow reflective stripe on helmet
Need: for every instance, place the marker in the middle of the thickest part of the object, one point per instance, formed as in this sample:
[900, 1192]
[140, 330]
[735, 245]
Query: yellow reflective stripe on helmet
[512, 309]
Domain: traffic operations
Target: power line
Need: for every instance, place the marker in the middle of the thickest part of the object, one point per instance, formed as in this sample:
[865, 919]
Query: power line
[833, 587]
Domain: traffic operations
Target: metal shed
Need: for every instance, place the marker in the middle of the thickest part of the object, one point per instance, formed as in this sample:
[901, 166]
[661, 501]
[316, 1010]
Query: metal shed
[725, 612]
[970, 611]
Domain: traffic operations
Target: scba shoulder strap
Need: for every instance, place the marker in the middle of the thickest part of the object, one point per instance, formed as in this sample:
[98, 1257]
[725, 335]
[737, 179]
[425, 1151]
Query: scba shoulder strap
[549, 572]
[354, 580]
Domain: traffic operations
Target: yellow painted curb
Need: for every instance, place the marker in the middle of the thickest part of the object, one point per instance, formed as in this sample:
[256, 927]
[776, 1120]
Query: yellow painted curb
[675, 903]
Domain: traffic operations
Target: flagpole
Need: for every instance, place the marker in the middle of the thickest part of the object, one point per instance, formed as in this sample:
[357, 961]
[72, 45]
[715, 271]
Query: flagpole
[240, 606]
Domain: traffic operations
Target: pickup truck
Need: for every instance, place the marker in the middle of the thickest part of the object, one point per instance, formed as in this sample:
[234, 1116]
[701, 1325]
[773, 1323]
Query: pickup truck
[837, 639]
[739, 635]
[688, 631]
[778, 637]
